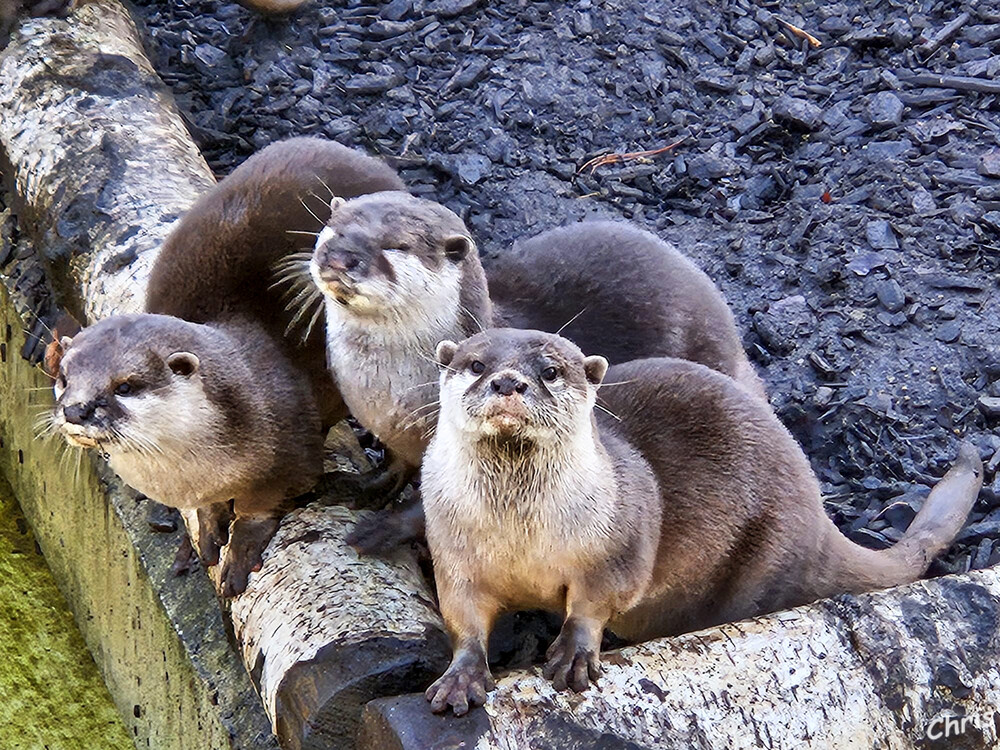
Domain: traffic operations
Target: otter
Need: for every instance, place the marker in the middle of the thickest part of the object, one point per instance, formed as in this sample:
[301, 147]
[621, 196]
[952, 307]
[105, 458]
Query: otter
[624, 292]
[218, 392]
[400, 273]
[535, 499]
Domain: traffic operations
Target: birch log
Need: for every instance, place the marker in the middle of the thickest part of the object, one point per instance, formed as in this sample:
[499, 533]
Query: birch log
[893, 669]
[102, 165]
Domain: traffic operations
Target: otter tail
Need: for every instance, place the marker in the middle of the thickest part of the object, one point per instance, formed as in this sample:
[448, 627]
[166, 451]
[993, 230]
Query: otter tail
[942, 516]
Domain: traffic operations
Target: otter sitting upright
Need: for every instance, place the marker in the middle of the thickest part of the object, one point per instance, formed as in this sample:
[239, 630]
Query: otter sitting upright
[205, 399]
[401, 273]
[692, 506]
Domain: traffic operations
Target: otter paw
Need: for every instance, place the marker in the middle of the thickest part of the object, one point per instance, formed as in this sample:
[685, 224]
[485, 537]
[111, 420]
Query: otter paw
[571, 665]
[234, 575]
[210, 548]
[460, 687]
[384, 532]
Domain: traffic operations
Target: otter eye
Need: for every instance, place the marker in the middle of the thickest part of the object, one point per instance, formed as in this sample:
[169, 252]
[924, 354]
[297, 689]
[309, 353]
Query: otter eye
[477, 367]
[127, 389]
[550, 374]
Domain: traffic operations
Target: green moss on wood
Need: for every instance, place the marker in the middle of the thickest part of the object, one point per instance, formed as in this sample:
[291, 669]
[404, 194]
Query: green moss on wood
[53, 695]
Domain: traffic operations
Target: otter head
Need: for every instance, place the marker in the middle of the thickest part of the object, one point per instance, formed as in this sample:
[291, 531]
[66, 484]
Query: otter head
[391, 256]
[126, 383]
[508, 384]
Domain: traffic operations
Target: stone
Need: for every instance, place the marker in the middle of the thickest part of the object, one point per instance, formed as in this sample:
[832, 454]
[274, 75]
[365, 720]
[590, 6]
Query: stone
[879, 235]
[800, 114]
[989, 163]
[949, 332]
[890, 295]
[989, 405]
[885, 109]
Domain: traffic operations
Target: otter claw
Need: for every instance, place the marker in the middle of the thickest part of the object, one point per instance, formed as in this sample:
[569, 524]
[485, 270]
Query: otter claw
[571, 665]
[460, 687]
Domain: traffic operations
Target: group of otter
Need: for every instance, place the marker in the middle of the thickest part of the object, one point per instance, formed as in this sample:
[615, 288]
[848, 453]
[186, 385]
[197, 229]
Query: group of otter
[646, 487]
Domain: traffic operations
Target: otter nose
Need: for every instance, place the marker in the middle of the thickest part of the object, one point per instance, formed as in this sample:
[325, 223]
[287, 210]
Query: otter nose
[339, 261]
[506, 385]
[78, 413]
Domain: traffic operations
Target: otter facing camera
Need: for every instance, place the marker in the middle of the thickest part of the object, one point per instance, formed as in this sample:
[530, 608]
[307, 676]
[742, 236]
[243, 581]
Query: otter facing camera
[595, 368]
[184, 364]
[446, 352]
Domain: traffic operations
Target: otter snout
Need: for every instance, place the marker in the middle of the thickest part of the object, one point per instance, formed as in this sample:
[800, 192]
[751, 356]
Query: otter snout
[80, 413]
[506, 384]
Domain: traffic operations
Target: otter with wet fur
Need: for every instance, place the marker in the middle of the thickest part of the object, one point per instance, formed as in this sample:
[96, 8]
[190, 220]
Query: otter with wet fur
[206, 399]
[535, 500]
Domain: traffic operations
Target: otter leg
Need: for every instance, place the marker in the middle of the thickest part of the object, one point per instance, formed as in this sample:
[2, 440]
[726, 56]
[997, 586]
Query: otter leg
[386, 530]
[469, 617]
[213, 531]
[248, 539]
[574, 658]
[375, 488]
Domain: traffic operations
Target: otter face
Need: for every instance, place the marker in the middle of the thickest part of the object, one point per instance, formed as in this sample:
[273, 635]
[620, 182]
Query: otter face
[115, 384]
[390, 256]
[509, 384]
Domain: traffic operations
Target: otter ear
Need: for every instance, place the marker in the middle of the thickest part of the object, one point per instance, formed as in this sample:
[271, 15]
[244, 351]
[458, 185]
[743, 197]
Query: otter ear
[457, 246]
[336, 202]
[595, 368]
[446, 352]
[184, 364]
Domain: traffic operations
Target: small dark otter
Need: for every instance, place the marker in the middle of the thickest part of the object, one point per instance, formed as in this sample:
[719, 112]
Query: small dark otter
[228, 407]
[401, 273]
[689, 507]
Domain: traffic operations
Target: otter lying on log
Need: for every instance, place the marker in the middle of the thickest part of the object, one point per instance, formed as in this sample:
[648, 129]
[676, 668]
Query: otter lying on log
[534, 499]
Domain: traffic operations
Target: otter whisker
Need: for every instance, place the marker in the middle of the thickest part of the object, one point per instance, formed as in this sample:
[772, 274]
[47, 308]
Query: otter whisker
[311, 212]
[620, 382]
[472, 315]
[308, 302]
[328, 188]
[301, 231]
[433, 361]
[421, 385]
[565, 325]
[607, 411]
[320, 308]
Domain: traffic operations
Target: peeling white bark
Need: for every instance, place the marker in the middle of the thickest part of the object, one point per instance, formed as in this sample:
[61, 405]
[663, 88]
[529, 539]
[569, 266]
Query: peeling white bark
[881, 670]
[103, 163]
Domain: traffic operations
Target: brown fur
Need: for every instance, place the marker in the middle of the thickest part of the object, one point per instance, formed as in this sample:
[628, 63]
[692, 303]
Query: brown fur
[629, 295]
[211, 293]
[689, 507]
[273, 7]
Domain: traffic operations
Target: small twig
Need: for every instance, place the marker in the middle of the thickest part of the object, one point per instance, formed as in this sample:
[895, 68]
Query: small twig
[930, 46]
[600, 161]
[959, 83]
[801, 33]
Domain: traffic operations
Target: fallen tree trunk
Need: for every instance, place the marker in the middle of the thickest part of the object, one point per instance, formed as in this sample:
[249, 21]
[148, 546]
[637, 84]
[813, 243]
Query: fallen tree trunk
[102, 165]
[890, 669]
